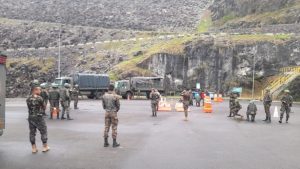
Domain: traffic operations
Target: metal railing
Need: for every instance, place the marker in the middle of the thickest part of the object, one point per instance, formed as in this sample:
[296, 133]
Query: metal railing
[286, 75]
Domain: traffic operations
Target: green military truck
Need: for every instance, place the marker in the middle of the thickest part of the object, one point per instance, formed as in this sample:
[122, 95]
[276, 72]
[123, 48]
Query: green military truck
[91, 85]
[2, 92]
[139, 85]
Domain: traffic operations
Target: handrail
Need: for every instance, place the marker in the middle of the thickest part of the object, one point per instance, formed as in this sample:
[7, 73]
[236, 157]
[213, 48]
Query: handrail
[286, 74]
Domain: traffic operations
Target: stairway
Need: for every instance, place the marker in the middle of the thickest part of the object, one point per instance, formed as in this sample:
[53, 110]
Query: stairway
[287, 75]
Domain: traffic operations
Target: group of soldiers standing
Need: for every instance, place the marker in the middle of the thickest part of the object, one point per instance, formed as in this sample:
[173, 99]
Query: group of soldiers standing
[57, 97]
[286, 104]
[37, 104]
[39, 97]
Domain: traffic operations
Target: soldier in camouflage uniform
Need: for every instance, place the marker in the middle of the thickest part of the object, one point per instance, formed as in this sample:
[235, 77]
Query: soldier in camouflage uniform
[155, 97]
[186, 96]
[75, 94]
[45, 96]
[65, 100]
[251, 111]
[236, 107]
[233, 96]
[54, 97]
[111, 105]
[267, 104]
[35, 104]
[286, 104]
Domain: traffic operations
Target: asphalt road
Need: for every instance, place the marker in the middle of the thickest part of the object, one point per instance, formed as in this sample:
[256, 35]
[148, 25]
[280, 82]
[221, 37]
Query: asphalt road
[206, 141]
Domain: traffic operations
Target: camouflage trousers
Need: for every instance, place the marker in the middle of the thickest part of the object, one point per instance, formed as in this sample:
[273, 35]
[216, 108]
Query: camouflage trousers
[75, 102]
[186, 107]
[267, 110]
[65, 108]
[285, 109]
[40, 124]
[154, 106]
[111, 120]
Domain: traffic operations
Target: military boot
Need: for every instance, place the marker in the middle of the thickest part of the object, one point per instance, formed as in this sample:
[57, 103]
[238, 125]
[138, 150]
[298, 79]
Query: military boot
[106, 144]
[69, 118]
[269, 120]
[265, 119]
[45, 148]
[280, 121]
[248, 119]
[115, 144]
[287, 120]
[34, 149]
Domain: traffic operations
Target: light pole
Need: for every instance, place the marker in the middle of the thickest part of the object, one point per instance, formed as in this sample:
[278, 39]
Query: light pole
[253, 74]
[59, 57]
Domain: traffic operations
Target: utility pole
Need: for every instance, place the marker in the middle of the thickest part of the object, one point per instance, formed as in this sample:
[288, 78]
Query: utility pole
[59, 45]
[253, 74]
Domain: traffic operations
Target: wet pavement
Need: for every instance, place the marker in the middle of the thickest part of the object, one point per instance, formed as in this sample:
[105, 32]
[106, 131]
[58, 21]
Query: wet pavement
[206, 141]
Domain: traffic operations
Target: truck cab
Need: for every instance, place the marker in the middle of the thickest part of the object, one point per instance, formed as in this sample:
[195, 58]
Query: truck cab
[123, 88]
[62, 80]
[139, 85]
[2, 92]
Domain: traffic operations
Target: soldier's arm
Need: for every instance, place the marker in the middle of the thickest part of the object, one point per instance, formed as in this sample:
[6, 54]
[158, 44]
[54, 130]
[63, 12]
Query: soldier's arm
[42, 103]
[103, 104]
[118, 104]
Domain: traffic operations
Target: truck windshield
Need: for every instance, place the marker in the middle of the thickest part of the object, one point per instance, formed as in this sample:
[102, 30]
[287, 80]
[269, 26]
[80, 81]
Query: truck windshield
[58, 82]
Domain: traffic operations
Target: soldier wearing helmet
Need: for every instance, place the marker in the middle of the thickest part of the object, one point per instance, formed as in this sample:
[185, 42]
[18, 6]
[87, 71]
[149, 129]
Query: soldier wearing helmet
[75, 94]
[54, 97]
[65, 100]
[286, 104]
[267, 105]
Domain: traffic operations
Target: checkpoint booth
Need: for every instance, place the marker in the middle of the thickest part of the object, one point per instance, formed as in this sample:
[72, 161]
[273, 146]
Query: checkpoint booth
[2, 91]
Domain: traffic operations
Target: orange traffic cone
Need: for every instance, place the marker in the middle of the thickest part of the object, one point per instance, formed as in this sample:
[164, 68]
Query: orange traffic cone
[220, 98]
[215, 98]
[164, 105]
[207, 106]
[54, 112]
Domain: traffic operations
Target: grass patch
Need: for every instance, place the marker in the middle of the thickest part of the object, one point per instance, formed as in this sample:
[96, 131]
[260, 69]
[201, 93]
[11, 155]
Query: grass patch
[224, 19]
[174, 46]
[277, 38]
[280, 16]
[44, 64]
[205, 23]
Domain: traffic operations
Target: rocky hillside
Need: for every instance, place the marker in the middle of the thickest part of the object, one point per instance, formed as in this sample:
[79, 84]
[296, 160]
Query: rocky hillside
[125, 14]
[233, 14]
[220, 62]
[32, 34]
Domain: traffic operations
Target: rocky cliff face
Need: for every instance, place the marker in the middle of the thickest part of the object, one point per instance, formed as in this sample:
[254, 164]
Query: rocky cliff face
[221, 8]
[224, 64]
[241, 14]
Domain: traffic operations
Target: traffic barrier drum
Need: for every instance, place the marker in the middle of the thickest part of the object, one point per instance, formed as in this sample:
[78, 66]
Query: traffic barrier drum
[207, 105]
[163, 105]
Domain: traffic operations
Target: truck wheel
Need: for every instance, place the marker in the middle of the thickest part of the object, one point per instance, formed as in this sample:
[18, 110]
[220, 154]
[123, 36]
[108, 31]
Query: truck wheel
[91, 96]
[129, 96]
[98, 95]
[1, 132]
